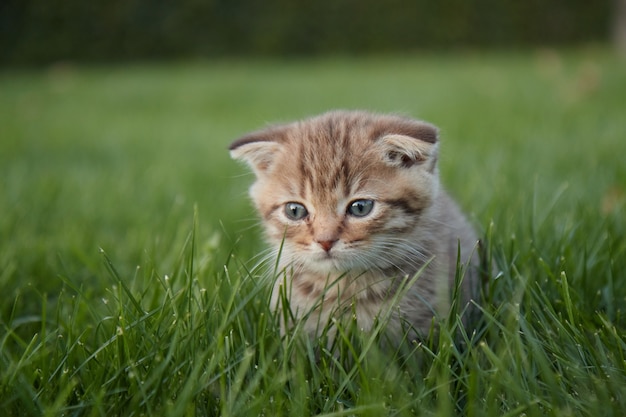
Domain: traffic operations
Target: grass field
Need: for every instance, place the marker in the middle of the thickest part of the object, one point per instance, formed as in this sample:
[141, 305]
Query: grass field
[126, 239]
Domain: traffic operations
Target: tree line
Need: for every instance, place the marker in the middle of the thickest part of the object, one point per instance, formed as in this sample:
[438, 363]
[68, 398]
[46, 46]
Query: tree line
[37, 32]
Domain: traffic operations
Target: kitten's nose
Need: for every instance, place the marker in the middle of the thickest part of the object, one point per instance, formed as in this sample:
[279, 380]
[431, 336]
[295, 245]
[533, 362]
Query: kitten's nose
[326, 244]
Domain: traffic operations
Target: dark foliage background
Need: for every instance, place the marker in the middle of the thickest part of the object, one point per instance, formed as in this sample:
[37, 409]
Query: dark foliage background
[36, 32]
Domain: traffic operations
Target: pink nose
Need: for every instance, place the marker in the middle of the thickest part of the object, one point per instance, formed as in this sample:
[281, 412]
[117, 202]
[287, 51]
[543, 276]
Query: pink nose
[326, 244]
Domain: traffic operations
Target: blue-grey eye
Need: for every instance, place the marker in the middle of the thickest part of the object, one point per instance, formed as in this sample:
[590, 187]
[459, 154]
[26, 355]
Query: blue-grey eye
[295, 211]
[360, 208]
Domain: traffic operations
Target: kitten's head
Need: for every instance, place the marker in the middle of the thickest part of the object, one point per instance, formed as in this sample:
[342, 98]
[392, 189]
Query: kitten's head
[343, 190]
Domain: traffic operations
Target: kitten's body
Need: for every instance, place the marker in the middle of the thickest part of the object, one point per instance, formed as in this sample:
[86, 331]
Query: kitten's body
[353, 203]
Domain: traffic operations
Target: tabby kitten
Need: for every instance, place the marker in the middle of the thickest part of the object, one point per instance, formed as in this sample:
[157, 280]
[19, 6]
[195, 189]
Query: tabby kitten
[352, 205]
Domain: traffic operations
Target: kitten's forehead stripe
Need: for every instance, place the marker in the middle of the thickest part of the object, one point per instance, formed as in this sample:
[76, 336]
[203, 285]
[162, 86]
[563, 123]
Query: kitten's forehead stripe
[304, 175]
[331, 149]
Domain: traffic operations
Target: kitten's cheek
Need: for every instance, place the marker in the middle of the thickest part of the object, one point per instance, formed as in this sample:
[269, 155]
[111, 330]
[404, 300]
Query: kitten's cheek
[399, 224]
[274, 232]
[279, 230]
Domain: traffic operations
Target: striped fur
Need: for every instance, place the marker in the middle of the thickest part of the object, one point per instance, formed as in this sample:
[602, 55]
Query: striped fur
[335, 261]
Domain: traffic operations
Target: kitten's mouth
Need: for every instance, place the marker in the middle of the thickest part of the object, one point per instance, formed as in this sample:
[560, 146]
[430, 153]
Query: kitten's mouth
[325, 257]
[328, 262]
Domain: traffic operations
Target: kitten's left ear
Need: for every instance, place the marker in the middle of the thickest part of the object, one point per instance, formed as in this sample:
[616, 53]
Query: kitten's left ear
[258, 149]
[418, 147]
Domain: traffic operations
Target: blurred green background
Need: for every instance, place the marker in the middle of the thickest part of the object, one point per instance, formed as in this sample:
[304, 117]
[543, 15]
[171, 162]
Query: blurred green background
[42, 31]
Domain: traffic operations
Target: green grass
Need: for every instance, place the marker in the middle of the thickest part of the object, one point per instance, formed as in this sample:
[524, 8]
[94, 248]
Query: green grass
[126, 240]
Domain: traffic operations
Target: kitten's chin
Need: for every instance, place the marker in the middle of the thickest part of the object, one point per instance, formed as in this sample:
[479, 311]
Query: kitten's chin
[325, 268]
[328, 264]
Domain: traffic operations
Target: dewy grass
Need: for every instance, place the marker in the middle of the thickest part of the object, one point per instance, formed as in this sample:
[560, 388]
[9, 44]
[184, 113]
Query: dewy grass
[168, 318]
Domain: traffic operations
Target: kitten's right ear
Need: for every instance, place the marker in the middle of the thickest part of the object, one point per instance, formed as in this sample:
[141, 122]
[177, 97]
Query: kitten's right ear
[257, 149]
[405, 151]
[407, 143]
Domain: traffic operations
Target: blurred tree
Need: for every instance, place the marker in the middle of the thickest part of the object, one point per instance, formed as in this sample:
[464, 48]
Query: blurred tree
[43, 31]
[619, 26]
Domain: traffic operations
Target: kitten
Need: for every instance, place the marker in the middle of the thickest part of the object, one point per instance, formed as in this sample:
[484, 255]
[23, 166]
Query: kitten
[352, 204]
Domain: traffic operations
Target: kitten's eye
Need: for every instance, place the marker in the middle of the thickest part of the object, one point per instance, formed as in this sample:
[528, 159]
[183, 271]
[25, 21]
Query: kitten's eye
[295, 211]
[360, 208]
